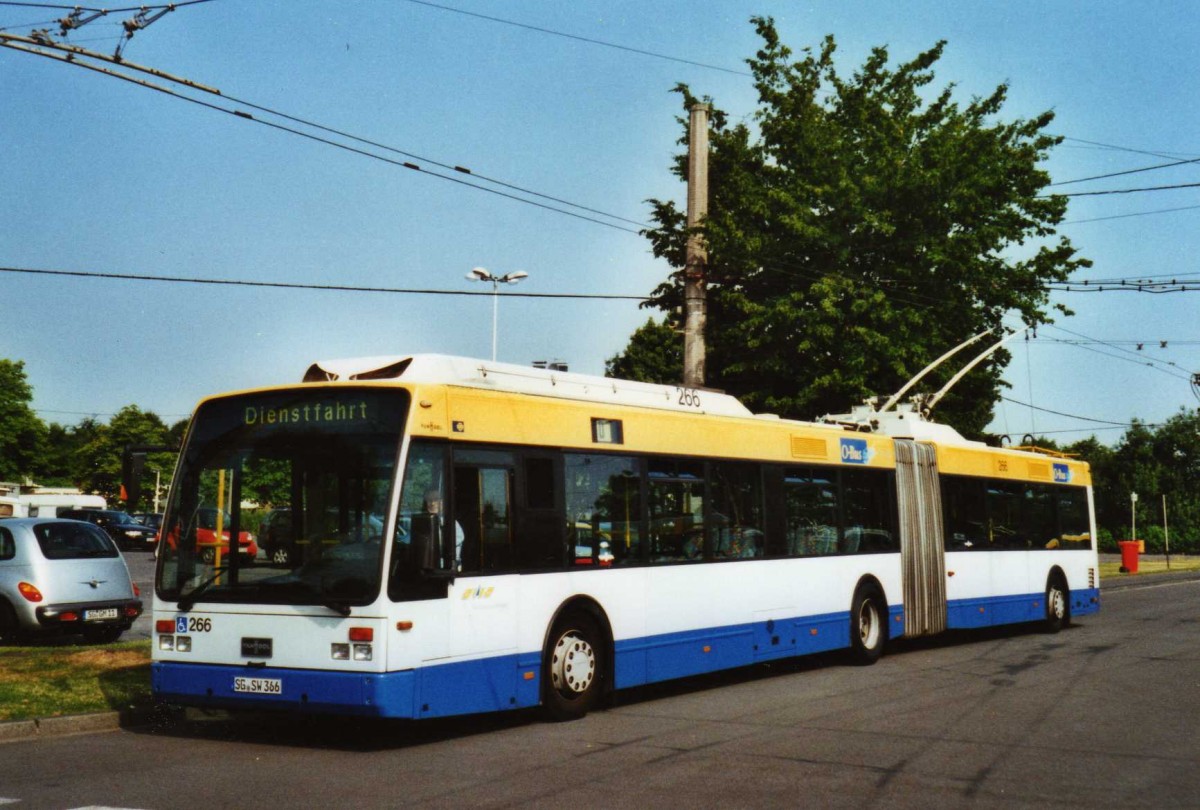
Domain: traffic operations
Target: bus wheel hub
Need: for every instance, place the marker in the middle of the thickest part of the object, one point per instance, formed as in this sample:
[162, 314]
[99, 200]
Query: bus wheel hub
[573, 666]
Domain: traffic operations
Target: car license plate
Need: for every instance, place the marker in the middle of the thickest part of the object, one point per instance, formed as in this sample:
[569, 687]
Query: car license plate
[258, 686]
[99, 614]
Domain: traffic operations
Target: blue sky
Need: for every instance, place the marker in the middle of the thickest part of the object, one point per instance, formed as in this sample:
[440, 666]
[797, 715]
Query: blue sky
[99, 175]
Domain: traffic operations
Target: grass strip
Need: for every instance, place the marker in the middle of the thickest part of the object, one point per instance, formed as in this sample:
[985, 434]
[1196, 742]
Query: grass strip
[1113, 569]
[49, 681]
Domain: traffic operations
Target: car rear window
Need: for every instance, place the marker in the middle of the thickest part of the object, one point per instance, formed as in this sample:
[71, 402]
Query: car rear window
[8, 549]
[73, 541]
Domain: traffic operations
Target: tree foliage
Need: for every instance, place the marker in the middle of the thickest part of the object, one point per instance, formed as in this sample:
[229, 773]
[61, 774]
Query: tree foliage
[86, 455]
[654, 354]
[858, 227]
[1152, 462]
[22, 434]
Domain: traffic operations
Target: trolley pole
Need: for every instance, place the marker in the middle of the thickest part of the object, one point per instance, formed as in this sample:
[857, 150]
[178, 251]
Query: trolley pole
[694, 293]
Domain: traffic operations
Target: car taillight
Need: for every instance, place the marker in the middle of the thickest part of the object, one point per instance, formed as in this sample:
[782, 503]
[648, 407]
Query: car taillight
[29, 591]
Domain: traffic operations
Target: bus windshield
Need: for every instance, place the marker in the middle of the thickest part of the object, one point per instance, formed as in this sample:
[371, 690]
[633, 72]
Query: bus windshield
[302, 480]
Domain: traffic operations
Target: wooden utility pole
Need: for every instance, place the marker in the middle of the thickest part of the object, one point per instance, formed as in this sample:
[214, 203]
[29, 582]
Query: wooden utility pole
[694, 294]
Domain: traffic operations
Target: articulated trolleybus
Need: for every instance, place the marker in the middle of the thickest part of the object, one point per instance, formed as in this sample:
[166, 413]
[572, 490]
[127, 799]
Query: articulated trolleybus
[447, 536]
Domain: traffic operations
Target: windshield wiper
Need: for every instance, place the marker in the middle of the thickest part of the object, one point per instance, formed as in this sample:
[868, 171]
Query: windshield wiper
[338, 606]
[186, 603]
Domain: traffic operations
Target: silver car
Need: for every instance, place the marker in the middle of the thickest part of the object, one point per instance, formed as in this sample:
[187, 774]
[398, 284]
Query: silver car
[63, 576]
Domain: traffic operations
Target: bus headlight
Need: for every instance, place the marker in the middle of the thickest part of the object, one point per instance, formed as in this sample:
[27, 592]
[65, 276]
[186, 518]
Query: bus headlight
[362, 652]
[339, 652]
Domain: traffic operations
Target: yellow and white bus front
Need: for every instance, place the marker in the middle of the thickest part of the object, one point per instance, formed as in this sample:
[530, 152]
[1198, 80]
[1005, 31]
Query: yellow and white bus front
[307, 475]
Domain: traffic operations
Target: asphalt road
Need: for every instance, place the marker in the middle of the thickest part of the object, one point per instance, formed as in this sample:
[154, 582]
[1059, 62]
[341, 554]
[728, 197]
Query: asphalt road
[1103, 714]
[141, 569]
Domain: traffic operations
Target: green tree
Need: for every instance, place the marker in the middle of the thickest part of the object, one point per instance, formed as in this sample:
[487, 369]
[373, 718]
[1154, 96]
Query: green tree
[654, 354]
[858, 228]
[22, 433]
[100, 456]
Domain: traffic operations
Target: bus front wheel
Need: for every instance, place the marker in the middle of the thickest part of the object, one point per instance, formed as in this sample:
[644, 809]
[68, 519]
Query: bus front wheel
[868, 625]
[573, 674]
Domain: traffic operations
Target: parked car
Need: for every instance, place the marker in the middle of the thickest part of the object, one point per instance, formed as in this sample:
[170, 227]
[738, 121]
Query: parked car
[121, 527]
[205, 525]
[63, 576]
[281, 546]
[151, 519]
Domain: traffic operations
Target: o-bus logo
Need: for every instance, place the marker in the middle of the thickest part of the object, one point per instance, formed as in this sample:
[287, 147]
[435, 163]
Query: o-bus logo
[855, 451]
[1062, 474]
[478, 593]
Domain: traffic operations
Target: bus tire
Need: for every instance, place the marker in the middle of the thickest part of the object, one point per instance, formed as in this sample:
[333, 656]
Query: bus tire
[868, 625]
[1058, 604]
[573, 673]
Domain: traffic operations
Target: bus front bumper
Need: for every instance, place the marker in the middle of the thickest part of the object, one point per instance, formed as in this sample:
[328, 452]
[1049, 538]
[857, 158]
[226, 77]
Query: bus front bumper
[249, 688]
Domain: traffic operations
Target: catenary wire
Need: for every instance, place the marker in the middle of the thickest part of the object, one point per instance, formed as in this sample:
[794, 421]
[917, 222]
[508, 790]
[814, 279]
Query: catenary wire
[320, 287]
[106, 10]
[1127, 216]
[1068, 415]
[69, 48]
[316, 138]
[580, 38]
[1127, 171]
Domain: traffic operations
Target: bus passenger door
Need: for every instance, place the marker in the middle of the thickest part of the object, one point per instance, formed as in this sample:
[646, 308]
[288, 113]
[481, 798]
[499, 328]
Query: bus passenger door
[922, 554]
[483, 600]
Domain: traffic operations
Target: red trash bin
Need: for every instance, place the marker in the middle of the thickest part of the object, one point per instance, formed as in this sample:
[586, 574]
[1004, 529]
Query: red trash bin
[1129, 555]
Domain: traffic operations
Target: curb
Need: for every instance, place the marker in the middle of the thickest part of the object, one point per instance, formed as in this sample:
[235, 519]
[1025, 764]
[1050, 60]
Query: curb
[71, 724]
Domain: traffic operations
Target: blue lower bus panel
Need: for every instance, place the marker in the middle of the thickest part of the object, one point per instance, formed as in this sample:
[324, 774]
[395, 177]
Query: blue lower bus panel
[514, 681]
[995, 610]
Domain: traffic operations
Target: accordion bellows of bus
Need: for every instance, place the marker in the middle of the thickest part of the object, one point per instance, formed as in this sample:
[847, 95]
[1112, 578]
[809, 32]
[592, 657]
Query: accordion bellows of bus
[452, 536]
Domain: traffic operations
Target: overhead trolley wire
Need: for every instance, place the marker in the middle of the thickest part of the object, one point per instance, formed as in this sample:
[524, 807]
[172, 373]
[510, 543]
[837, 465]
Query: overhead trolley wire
[577, 38]
[27, 45]
[1127, 171]
[1068, 415]
[286, 285]
[105, 10]
[1134, 356]
[1111, 191]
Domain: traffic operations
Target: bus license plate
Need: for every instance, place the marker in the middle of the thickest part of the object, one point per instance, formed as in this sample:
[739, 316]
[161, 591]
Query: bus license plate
[258, 686]
[99, 614]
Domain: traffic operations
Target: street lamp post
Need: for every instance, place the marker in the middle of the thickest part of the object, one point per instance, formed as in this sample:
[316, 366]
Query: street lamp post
[479, 274]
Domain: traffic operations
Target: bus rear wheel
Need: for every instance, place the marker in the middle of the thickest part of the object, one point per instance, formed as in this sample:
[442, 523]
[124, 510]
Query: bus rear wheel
[573, 673]
[868, 625]
[1058, 610]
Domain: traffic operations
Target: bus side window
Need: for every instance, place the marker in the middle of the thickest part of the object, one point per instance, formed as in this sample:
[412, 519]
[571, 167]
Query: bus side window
[964, 514]
[483, 507]
[539, 522]
[811, 501]
[1004, 507]
[676, 500]
[735, 522]
[603, 510]
[867, 512]
[1041, 527]
[1074, 530]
